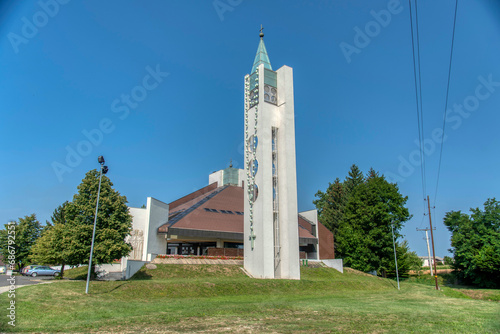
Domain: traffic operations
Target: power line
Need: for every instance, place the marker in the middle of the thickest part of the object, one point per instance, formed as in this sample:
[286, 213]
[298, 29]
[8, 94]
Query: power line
[418, 95]
[447, 95]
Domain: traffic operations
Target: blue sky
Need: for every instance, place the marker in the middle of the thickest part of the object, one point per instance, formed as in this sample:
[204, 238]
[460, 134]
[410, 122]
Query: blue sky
[68, 68]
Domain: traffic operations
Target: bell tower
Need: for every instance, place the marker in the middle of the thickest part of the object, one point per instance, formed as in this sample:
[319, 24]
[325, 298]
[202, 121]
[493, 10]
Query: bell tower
[271, 239]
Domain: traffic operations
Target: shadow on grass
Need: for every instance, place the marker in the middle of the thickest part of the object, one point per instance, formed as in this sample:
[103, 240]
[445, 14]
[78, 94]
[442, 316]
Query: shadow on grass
[141, 275]
[392, 283]
[82, 277]
[105, 291]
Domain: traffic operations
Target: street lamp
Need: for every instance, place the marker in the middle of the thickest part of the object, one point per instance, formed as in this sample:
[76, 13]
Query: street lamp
[104, 170]
[395, 257]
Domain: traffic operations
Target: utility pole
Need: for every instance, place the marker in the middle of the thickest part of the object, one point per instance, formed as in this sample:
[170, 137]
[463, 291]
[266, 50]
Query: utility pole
[432, 239]
[428, 247]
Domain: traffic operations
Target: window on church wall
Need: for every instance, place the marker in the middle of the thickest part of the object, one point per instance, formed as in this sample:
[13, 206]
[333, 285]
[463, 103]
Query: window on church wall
[238, 245]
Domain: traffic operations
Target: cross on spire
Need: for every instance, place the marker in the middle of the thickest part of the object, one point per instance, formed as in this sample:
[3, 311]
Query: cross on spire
[261, 31]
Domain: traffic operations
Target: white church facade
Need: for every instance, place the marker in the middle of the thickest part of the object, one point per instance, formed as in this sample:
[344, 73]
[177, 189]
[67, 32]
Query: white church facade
[253, 209]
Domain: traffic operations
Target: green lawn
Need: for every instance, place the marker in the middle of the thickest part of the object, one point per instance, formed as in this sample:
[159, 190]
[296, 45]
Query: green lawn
[221, 299]
[446, 282]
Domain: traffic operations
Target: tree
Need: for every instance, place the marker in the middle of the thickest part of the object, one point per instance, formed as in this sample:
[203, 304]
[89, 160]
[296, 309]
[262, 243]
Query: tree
[475, 242]
[114, 223]
[407, 260]
[330, 205]
[359, 212]
[27, 231]
[50, 247]
[448, 260]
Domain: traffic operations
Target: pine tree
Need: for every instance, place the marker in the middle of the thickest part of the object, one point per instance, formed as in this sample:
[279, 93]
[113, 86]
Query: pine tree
[360, 212]
[330, 204]
[354, 179]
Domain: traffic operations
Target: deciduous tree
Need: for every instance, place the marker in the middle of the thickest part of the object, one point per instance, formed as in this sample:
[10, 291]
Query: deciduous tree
[475, 244]
[50, 247]
[114, 222]
[27, 231]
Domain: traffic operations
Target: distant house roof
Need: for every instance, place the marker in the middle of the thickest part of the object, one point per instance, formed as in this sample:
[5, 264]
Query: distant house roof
[217, 212]
[427, 258]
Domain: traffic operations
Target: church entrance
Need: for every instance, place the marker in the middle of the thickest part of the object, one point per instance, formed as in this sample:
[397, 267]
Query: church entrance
[190, 248]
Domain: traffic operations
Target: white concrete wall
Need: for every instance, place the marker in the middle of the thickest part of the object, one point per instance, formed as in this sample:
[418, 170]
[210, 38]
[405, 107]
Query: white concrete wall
[287, 176]
[216, 177]
[148, 220]
[259, 262]
[241, 177]
[336, 264]
[155, 244]
[131, 267]
[139, 216]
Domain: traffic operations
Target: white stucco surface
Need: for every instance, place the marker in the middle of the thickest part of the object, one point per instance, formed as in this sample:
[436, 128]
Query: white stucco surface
[260, 261]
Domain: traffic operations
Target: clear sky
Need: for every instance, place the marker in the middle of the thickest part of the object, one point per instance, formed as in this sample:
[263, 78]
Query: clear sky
[157, 86]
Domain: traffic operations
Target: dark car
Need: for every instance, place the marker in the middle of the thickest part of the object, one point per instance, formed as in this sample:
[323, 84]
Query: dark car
[43, 271]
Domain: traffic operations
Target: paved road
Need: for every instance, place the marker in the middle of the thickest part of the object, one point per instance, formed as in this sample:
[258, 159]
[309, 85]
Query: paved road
[21, 281]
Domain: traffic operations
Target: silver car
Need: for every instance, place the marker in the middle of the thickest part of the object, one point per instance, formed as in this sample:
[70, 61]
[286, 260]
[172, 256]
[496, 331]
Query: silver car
[43, 271]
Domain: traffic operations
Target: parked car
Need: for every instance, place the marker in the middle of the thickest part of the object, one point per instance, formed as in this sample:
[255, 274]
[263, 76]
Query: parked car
[25, 269]
[43, 271]
[3, 269]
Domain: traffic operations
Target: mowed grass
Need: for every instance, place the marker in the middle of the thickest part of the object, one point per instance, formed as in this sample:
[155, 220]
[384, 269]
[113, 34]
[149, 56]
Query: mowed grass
[446, 282]
[222, 299]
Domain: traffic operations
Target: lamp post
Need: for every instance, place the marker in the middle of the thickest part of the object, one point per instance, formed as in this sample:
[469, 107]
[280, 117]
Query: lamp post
[104, 170]
[395, 257]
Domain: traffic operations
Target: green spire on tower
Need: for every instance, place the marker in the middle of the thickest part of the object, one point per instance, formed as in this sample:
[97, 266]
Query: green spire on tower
[261, 57]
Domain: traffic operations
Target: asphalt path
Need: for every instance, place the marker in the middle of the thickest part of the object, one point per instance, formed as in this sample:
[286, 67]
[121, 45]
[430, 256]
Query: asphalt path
[22, 281]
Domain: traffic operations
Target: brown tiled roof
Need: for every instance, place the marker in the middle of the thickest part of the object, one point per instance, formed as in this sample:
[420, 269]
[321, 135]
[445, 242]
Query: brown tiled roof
[189, 203]
[200, 192]
[190, 216]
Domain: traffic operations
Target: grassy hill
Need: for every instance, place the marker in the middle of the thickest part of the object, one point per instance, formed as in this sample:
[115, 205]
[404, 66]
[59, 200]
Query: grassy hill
[222, 299]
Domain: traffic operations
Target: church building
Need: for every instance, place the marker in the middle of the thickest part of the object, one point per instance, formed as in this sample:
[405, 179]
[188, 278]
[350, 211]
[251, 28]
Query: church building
[249, 212]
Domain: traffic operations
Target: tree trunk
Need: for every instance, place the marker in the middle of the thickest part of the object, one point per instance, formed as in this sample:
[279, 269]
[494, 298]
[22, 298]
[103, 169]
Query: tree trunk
[62, 269]
[92, 273]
